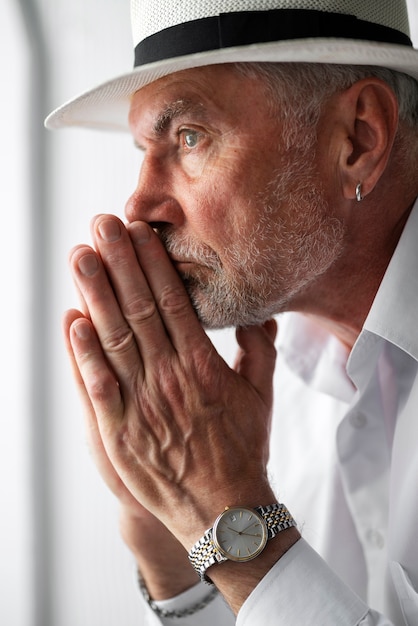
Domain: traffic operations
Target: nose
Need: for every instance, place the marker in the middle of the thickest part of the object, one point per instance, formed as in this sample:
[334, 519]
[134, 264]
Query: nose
[154, 200]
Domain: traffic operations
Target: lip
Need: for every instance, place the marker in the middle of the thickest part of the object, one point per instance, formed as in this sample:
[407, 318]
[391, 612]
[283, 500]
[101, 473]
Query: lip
[185, 264]
[180, 263]
[177, 259]
[182, 266]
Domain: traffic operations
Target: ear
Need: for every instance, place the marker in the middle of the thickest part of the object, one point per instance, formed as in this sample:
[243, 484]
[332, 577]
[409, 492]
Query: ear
[369, 111]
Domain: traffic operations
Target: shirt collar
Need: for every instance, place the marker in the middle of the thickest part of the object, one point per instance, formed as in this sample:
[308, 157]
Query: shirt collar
[319, 359]
[314, 355]
[394, 312]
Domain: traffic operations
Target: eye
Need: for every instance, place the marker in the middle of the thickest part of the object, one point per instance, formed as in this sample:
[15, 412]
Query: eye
[190, 138]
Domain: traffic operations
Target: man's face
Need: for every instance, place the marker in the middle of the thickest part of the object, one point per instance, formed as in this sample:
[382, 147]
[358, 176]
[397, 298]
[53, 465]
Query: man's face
[243, 218]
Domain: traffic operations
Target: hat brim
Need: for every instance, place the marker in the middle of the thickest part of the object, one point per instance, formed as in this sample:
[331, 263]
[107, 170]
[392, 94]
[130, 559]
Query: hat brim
[106, 106]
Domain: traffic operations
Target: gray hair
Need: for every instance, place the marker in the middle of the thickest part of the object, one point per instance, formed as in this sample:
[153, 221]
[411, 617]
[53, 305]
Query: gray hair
[299, 90]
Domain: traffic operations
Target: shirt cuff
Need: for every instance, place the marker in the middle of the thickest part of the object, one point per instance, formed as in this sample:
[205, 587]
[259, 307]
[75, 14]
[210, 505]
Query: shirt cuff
[301, 589]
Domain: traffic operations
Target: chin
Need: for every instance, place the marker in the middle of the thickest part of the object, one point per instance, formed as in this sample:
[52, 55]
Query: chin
[216, 311]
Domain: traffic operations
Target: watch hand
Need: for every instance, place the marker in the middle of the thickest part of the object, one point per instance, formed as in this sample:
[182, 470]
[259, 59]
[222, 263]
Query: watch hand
[241, 532]
[249, 526]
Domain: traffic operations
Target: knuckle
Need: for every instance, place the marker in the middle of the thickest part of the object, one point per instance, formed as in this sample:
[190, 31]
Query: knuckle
[117, 259]
[173, 301]
[140, 309]
[99, 389]
[120, 340]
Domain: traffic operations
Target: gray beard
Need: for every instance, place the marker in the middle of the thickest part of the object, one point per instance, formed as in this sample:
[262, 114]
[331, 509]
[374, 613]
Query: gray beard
[293, 243]
[261, 280]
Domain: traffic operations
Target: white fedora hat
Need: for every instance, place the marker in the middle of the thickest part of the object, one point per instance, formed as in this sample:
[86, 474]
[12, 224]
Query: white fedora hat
[172, 36]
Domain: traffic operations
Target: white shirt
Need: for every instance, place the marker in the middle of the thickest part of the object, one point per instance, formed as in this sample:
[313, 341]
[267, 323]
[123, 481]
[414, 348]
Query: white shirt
[344, 453]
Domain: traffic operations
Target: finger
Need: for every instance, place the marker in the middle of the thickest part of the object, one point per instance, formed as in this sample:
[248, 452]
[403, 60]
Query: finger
[257, 357]
[93, 373]
[173, 302]
[94, 439]
[115, 335]
[82, 303]
[138, 304]
[151, 294]
[67, 321]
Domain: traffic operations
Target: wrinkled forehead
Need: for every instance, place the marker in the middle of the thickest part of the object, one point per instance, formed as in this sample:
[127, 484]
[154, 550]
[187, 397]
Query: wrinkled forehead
[197, 91]
[201, 79]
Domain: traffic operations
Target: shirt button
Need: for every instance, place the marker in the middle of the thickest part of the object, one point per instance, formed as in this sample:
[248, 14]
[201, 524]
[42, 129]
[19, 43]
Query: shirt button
[375, 538]
[358, 420]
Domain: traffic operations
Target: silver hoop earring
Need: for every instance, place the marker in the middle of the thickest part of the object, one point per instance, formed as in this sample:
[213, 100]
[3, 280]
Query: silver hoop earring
[359, 197]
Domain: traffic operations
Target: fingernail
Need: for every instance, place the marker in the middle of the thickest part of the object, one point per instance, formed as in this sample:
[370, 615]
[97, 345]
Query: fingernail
[88, 264]
[109, 230]
[139, 232]
[82, 329]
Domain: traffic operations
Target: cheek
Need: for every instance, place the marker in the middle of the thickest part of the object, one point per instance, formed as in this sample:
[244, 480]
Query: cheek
[195, 167]
[214, 165]
[221, 200]
[226, 203]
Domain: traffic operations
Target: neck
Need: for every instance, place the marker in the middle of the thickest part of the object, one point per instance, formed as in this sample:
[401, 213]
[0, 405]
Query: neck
[341, 299]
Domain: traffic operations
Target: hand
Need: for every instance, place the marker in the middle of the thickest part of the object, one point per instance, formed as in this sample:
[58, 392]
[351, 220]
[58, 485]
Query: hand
[94, 439]
[185, 434]
[161, 559]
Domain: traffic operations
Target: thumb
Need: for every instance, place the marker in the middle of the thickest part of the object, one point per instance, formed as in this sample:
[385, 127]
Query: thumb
[256, 358]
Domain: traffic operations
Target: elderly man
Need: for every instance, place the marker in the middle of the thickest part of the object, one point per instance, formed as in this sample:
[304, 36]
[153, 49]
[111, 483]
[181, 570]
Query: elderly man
[279, 174]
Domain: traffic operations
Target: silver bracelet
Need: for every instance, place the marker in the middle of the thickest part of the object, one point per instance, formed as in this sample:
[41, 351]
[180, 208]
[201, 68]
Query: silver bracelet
[191, 610]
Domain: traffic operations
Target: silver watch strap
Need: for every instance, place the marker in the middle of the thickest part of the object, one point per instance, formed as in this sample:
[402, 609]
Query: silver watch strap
[277, 518]
[204, 553]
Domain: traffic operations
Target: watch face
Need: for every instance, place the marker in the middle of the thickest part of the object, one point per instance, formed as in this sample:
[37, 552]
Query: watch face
[240, 534]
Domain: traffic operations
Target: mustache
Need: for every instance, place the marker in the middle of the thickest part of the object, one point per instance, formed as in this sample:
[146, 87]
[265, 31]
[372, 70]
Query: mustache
[186, 248]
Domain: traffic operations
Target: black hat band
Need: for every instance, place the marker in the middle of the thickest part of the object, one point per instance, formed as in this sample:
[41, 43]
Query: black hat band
[251, 27]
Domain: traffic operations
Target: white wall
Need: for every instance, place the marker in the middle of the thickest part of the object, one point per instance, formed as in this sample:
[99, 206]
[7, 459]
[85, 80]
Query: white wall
[90, 571]
[62, 562]
[15, 532]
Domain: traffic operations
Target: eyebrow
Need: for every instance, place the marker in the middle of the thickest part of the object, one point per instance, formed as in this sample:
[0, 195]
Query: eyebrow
[174, 110]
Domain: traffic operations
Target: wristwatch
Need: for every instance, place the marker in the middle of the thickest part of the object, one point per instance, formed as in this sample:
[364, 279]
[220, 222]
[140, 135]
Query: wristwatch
[238, 534]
